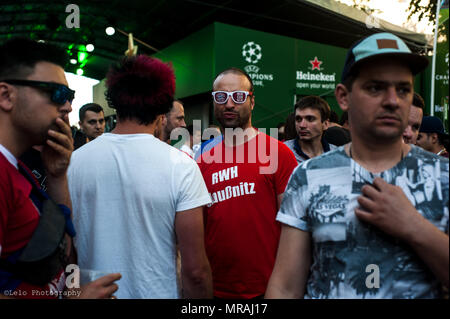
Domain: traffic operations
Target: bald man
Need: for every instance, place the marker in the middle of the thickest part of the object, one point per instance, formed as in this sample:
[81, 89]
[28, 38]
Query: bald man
[415, 119]
[173, 119]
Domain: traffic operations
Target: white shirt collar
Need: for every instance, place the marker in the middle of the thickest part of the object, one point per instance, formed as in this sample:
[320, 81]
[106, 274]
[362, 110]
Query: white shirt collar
[9, 156]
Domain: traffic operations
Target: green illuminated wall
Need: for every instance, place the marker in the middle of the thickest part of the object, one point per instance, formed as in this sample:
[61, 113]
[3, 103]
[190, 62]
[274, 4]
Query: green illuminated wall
[193, 61]
[283, 69]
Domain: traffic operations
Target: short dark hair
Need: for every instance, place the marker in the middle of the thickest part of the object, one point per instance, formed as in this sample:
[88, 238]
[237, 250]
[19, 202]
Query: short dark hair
[171, 108]
[94, 107]
[344, 118]
[140, 88]
[238, 72]
[289, 130]
[316, 103]
[334, 117]
[190, 129]
[418, 101]
[19, 56]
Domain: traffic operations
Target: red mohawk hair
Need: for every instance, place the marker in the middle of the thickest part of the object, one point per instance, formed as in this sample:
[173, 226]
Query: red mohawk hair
[140, 88]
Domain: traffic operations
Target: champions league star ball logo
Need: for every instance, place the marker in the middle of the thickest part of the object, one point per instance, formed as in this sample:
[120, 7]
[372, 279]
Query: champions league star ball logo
[252, 52]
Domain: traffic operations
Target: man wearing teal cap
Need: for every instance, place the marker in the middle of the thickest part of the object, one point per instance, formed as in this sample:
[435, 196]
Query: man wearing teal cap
[370, 218]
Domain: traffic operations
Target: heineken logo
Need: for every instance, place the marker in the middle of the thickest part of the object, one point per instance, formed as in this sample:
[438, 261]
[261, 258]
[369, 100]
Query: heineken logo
[315, 63]
[252, 52]
[314, 78]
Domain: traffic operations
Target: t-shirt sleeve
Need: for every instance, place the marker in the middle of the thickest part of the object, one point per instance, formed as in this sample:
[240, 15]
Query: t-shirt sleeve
[5, 198]
[286, 164]
[293, 209]
[192, 191]
[445, 193]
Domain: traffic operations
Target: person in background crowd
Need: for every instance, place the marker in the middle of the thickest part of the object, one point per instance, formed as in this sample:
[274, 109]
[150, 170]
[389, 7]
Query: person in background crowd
[344, 120]
[212, 136]
[186, 147]
[92, 124]
[432, 136]
[139, 197]
[281, 127]
[173, 119]
[246, 172]
[415, 119]
[311, 120]
[289, 130]
[335, 134]
[350, 226]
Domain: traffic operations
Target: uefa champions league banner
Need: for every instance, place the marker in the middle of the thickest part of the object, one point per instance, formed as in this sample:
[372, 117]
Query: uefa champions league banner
[441, 87]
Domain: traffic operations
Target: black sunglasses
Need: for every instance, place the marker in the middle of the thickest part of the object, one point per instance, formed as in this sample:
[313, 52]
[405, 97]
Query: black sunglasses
[59, 92]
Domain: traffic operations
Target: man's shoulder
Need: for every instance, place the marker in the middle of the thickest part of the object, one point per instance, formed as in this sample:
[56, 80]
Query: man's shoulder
[420, 153]
[6, 169]
[418, 157]
[283, 148]
[335, 157]
[290, 143]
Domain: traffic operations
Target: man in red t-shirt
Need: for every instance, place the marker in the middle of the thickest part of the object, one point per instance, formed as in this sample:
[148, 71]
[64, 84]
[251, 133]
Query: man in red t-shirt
[34, 105]
[246, 173]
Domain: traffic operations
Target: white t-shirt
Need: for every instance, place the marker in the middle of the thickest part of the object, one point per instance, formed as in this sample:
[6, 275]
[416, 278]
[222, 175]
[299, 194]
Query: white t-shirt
[125, 191]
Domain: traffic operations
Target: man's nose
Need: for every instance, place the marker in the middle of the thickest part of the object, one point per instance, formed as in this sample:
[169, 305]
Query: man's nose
[66, 109]
[391, 97]
[407, 133]
[230, 103]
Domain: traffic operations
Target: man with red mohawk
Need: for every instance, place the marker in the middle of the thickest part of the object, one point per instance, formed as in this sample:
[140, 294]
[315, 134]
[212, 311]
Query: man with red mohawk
[139, 197]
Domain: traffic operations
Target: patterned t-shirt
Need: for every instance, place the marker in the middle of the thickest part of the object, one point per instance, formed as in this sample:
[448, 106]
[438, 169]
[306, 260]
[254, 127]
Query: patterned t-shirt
[321, 197]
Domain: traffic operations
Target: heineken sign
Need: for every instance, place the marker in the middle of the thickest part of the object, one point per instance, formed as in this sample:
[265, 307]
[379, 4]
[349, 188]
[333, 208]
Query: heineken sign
[314, 78]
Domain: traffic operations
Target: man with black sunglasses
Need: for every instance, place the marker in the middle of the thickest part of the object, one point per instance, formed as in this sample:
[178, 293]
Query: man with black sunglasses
[246, 172]
[34, 105]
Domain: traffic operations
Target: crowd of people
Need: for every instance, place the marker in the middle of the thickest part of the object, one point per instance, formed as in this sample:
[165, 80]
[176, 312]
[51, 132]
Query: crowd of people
[356, 209]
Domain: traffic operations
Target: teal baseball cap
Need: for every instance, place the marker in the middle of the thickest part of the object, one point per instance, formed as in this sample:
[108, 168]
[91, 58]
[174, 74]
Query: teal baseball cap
[382, 44]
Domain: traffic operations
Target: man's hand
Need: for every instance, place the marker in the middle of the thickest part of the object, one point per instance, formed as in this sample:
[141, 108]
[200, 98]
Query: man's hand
[102, 288]
[57, 151]
[387, 207]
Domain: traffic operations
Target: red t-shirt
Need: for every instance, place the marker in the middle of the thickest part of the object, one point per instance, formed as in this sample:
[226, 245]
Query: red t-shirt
[19, 218]
[241, 233]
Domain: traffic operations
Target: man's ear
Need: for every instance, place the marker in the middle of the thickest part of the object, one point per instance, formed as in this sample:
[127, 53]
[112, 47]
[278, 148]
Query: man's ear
[252, 102]
[325, 125]
[342, 96]
[434, 138]
[7, 96]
